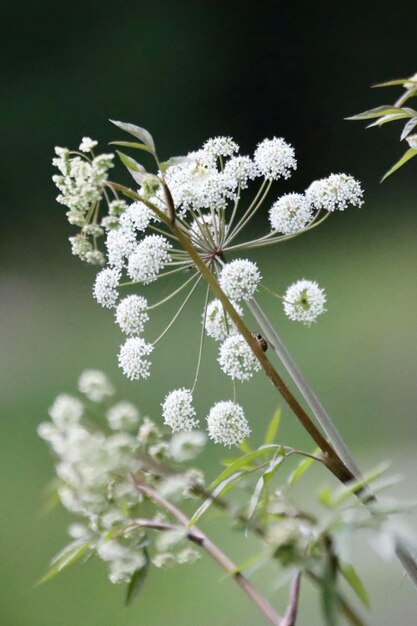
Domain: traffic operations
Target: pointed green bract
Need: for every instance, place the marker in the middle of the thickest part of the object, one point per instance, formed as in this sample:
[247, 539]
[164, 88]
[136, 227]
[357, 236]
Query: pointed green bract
[273, 427]
[411, 153]
[140, 133]
[350, 575]
[137, 580]
[132, 144]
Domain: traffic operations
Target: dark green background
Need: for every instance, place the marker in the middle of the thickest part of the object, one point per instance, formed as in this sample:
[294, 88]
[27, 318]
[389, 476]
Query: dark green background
[188, 71]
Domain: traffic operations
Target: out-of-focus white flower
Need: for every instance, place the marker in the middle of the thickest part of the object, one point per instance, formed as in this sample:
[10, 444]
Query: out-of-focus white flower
[178, 410]
[131, 314]
[185, 446]
[66, 410]
[227, 424]
[131, 358]
[95, 385]
[290, 213]
[304, 301]
[239, 279]
[412, 140]
[87, 144]
[123, 416]
[335, 192]
[105, 287]
[236, 358]
[275, 158]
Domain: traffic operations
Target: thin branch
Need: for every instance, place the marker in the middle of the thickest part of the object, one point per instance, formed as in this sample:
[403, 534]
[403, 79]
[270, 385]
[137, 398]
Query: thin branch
[200, 538]
[291, 613]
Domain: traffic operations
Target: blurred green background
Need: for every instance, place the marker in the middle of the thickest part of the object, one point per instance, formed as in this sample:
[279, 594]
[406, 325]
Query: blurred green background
[188, 71]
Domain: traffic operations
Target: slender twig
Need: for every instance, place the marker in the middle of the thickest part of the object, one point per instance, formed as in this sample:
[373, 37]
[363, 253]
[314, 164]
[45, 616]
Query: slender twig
[197, 536]
[291, 613]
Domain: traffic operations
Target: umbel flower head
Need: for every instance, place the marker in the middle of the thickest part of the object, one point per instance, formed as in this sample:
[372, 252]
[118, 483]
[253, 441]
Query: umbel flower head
[191, 213]
[227, 424]
[304, 301]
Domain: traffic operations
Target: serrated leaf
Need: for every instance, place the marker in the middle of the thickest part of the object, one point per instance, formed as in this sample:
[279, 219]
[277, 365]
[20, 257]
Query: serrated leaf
[138, 132]
[301, 468]
[391, 83]
[406, 157]
[273, 427]
[68, 556]
[245, 461]
[376, 112]
[132, 144]
[220, 490]
[350, 575]
[409, 126]
[137, 580]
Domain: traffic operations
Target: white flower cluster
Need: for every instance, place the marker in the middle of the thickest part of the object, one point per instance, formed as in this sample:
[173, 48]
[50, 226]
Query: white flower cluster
[335, 193]
[236, 358]
[131, 358]
[275, 158]
[218, 323]
[290, 213]
[131, 314]
[178, 411]
[148, 259]
[239, 279]
[304, 301]
[227, 424]
[94, 470]
[81, 183]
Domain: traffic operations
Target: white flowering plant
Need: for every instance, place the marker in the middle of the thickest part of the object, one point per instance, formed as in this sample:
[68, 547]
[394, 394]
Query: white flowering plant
[186, 220]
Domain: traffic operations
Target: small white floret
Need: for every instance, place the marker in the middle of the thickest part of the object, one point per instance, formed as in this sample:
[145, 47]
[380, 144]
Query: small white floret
[236, 358]
[335, 193]
[218, 323]
[275, 158]
[66, 410]
[131, 314]
[149, 258]
[304, 301]
[226, 424]
[131, 358]
[105, 287]
[178, 410]
[87, 144]
[290, 213]
[239, 279]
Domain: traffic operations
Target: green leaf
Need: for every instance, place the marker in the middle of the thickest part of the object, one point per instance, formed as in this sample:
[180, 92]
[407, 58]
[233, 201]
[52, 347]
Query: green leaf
[377, 112]
[410, 125]
[273, 427]
[131, 144]
[325, 497]
[262, 482]
[406, 157]
[138, 132]
[173, 161]
[350, 575]
[385, 119]
[68, 556]
[136, 170]
[221, 489]
[137, 580]
[245, 461]
[346, 491]
[392, 83]
[301, 468]
[244, 446]
[329, 597]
